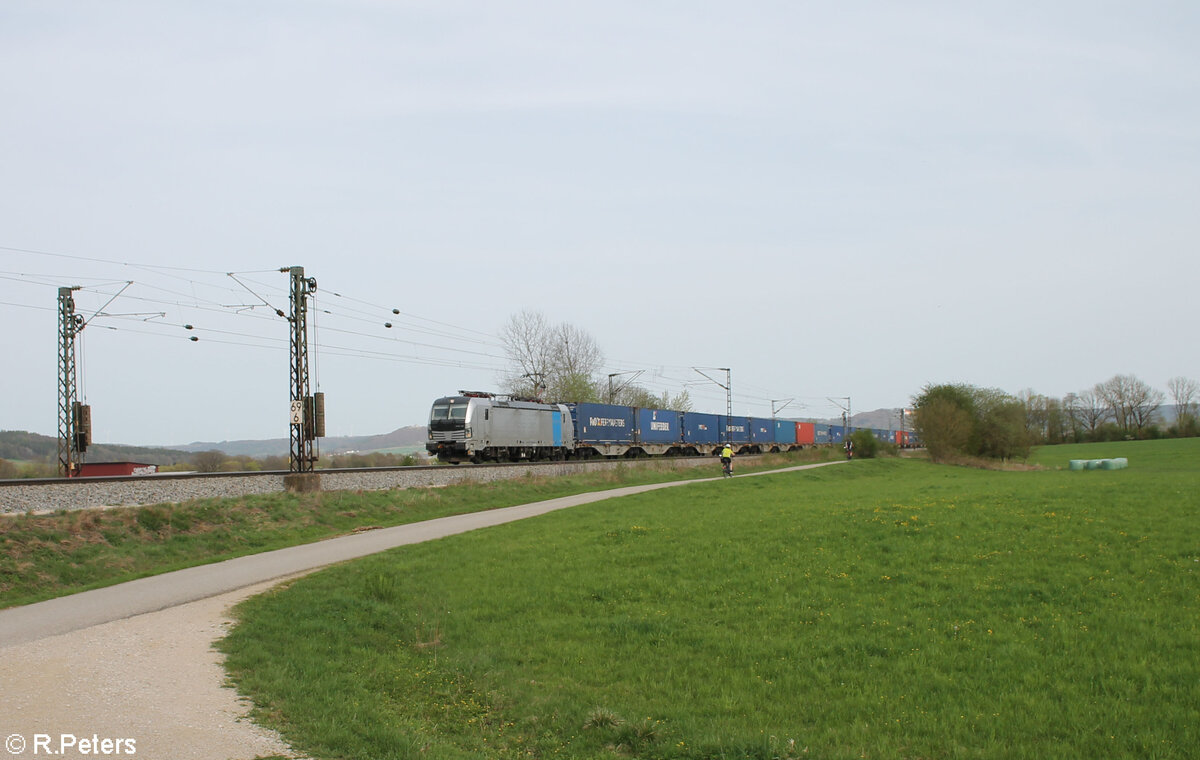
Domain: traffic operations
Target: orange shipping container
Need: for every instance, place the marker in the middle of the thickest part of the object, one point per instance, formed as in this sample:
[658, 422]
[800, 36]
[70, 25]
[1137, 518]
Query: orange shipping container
[806, 433]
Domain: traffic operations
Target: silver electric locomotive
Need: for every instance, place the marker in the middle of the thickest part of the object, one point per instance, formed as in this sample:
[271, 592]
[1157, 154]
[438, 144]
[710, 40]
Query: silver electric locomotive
[479, 427]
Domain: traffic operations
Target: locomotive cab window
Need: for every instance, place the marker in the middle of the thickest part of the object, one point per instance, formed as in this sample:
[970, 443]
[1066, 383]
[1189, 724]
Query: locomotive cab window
[447, 415]
[449, 412]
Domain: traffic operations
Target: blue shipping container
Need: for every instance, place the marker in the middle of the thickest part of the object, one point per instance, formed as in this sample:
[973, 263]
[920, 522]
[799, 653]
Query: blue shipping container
[603, 423]
[785, 432]
[701, 428]
[821, 433]
[658, 426]
[737, 429]
[763, 431]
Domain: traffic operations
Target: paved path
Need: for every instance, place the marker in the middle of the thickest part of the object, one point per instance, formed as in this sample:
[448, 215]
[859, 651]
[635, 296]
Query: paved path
[135, 661]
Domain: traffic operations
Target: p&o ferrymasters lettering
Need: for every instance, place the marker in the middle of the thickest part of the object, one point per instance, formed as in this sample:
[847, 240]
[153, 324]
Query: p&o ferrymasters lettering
[606, 422]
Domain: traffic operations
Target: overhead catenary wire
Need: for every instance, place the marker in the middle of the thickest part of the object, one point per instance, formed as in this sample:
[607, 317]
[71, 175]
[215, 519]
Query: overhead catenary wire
[194, 302]
[94, 259]
[700, 390]
[210, 300]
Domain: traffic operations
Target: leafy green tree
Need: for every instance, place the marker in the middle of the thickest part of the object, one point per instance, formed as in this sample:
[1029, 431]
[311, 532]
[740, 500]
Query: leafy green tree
[943, 426]
[1001, 431]
[680, 402]
[636, 395]
[963, 420]
[576, 388]
[943, 417]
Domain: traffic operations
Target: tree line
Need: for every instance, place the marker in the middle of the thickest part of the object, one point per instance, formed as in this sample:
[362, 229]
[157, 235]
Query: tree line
[219, 461]
[964, 420]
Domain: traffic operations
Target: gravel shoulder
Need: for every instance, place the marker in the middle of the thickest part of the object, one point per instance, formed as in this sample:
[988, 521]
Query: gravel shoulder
[153, 679]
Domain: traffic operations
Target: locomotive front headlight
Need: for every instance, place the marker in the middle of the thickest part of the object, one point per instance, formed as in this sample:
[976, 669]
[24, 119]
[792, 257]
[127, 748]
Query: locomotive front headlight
[468, 432]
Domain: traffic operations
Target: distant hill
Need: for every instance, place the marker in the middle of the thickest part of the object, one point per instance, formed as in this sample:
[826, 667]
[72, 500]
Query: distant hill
[880, 419]
[412, 435]
[19, 445]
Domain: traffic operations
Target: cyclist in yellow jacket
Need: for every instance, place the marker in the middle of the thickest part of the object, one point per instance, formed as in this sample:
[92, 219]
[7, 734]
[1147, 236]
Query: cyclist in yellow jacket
[727, 460]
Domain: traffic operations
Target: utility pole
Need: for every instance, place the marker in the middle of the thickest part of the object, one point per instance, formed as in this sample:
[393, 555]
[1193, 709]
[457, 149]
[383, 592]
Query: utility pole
[74, 418]
[728, 386]
[786, 403]
[612, 392]
[307, 411]
[847, 415]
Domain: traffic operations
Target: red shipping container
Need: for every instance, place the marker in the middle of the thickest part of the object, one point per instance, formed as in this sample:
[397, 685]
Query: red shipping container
[806, 433]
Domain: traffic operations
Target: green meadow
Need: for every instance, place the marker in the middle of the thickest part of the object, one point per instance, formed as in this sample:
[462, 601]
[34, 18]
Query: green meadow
[882, 609]
[64, 552]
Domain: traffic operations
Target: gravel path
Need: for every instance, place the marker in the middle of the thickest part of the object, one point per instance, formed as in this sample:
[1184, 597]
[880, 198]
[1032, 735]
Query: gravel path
[153, 680]
[130, 670]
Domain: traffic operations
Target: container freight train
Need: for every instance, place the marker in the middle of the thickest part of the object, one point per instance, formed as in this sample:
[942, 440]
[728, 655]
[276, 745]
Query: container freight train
[484, 427]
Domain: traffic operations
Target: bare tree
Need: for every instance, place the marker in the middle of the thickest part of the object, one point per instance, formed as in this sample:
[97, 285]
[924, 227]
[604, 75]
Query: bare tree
[1046, 419]
[1037, 415]
[1132, 403]
[1185, 394]
[576, 359]
[1087, 411]
[528, 345]
[552, 362]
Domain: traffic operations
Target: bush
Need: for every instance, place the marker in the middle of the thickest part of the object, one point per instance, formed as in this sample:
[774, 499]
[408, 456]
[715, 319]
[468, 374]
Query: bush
[962, 420]
[866, 445]
[208, 461]
[1185, 427]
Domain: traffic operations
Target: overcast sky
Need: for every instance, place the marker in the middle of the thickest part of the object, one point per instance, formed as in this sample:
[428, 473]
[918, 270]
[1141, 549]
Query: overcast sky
[846, 199]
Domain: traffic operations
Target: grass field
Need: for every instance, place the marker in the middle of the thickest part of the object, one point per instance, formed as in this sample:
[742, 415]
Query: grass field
[882, 609]
[47, 555]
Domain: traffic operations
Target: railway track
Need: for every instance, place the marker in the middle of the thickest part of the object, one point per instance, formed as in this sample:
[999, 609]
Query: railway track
[52, 494]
